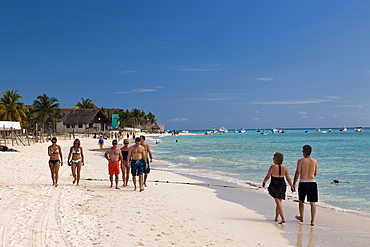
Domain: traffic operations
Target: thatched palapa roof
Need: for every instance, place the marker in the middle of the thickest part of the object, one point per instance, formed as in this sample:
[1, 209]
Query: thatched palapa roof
[85, 116]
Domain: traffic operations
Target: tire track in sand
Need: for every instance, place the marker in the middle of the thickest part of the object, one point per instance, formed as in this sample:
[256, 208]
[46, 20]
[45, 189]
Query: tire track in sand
[8, 212]
[47, 229]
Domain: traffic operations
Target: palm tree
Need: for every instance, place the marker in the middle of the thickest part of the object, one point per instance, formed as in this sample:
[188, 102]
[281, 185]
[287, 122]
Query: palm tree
[85, 104]
[137, 116]
[46, 110]
[151, 117]
[10, 108]
[125, 118]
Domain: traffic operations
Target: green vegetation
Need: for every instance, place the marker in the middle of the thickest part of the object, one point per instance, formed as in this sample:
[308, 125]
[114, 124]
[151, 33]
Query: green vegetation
[45, 111]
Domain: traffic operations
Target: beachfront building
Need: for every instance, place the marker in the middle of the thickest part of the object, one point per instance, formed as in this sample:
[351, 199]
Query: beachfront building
[9, 129]
[86, 121]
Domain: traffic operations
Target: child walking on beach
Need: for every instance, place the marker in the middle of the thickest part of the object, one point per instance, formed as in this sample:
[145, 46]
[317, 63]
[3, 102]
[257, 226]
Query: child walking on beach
[277, 187]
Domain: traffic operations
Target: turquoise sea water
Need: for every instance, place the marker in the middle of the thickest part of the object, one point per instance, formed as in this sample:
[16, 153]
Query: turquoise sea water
[244, 158]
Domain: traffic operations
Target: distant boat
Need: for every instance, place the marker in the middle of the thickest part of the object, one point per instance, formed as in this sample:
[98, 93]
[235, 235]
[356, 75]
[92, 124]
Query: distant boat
[274, 130]
[212, 132]
[185, 131]
[317, 129]
[241, 130]
[343, 129]
[223, 130]
[359, 129]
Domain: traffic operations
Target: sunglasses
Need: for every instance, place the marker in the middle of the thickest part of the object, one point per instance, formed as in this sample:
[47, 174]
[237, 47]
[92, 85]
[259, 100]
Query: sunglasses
[126, 143]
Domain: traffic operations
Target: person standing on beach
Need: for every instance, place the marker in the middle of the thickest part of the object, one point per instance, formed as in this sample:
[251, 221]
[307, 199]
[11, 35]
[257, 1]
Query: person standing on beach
[137, 154]
[277, 187]
[306, 172]
[149, 153]
[76, 160]
[125, 165]
[101, 142]
[55, 152]
[114, 156]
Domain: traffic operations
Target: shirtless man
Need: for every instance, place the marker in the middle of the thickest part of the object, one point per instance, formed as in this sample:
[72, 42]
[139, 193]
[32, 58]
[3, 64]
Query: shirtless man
[149, 153]
[137, 154]
[306, 172]
[114, 156]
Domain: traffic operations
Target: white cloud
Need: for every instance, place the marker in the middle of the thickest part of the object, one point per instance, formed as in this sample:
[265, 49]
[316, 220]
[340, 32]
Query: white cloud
[179, 119]
[200, 67]
[139, 90]
[130, 71]
[297, 102]
[193, 69]
[302, 112]
[264, 79]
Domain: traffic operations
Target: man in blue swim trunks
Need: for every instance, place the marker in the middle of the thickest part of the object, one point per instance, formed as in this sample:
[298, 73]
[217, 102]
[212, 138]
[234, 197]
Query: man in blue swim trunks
[306, 172]
[137, 154]
[149, 155]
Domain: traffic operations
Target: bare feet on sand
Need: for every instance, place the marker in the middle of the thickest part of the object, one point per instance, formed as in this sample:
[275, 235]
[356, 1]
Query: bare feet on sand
[299, 218]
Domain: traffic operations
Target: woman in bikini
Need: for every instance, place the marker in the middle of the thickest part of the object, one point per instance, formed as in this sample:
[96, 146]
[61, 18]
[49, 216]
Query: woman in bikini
[277, 186]
[125, 167]
[55, 152]
[76, 160]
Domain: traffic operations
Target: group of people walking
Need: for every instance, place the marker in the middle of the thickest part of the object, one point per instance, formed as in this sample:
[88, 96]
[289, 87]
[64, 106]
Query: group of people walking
[135, 159]
[306, 172]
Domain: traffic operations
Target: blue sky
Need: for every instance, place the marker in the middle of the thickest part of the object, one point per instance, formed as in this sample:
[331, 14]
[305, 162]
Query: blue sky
[195, 64]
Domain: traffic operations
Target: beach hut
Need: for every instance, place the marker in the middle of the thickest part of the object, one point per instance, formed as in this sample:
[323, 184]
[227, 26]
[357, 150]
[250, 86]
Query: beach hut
[83, 121]
[156, 129]
[9, 129]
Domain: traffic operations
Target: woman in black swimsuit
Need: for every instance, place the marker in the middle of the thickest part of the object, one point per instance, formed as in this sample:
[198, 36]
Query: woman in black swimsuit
[125, 167]
[55, 152]
[277, 187]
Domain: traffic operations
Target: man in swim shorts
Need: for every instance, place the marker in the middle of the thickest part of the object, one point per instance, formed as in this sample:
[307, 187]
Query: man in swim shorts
[306, 172]
[114, 156]
[137, 154]
[149, 153]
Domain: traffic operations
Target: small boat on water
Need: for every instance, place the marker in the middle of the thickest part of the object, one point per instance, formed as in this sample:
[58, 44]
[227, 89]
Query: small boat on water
[213, 132]
[359, 129]
[185, 131]
[223, 130]
[242, 130]
[343, 129]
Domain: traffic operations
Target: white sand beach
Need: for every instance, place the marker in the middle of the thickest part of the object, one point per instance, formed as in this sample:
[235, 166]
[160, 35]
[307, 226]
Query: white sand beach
[35, 213]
